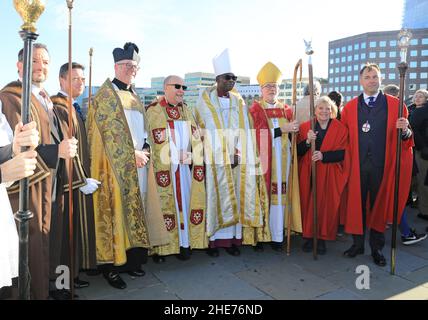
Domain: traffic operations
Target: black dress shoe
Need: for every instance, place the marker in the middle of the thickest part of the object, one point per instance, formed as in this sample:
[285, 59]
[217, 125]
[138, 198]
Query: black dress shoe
[137, 273]
[277, 246]
[259, 247]
[184, 254]
[213, 252]
[321, 247]
[79, 284]
[114, 279]
[308, 246]
[378, 258]
[353, 251]
[233, 251]
[158, 259]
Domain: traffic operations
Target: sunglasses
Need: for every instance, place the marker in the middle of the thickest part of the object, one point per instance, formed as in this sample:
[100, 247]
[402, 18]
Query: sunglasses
[179, 86]
[228, 77]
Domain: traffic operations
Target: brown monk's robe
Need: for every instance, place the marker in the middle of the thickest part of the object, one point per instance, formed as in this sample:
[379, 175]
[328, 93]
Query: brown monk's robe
[83, 213]
[40, 187]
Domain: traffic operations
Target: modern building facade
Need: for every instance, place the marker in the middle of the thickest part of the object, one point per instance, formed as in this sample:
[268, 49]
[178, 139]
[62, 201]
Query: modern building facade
[348, 55]
[415, 14]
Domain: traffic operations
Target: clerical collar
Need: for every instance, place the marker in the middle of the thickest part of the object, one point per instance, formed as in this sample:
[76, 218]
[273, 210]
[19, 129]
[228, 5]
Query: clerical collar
[226, 96]
[122, 86]
[171, 105]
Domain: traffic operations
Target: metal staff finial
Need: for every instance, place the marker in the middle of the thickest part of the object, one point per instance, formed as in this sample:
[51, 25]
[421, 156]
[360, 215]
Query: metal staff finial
[30, 11]
[309, 51]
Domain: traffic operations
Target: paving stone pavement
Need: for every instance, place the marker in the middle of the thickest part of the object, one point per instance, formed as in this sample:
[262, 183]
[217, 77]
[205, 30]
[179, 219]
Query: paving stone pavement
[270, 275]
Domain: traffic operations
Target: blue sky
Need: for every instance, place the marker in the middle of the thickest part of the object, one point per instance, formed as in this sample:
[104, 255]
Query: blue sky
[180, 36]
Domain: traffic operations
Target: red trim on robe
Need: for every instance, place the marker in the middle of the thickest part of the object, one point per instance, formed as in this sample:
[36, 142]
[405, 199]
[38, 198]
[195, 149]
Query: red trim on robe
[177, 174]
[263, 133]
[331, 180]
[382, 212]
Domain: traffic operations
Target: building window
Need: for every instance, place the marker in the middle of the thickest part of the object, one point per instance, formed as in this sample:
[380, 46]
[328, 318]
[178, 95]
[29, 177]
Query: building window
[337, 70]
[348, 88]
[382, 54]
[331, 51]
[382, 44]
[393, 43]
[423, 86]
[373, 44]
[393, 54]
[372, 55]
[355, 88]
[356, 57]
[424, 64]
[355, 78]
[342, 69]
[382, 65]
[342, 89]
[349, 69]
[412, 86]
[342, 79]
[337, 50]
[412, 75]
[336, 80]
[414, 42]
[363, 45]
[331, 80]
[349, 48]
[343, 49]
[392, 65]
[337, 60]
[424, 53]
[331, 71]
[349, 79]
[414, 64]
[391, 76]
[357, 46]
[363, 56]
[356, 67]
[425, 41]
[343, 59]
[349, 58]
[424, 75]
[414, 53]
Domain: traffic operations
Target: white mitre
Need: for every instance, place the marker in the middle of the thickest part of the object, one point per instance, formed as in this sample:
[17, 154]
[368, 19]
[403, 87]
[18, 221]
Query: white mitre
[222, 63]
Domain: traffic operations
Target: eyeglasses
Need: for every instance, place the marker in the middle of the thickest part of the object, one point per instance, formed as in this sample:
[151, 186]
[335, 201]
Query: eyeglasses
[130, 66]
[228, 77]
[178, 86]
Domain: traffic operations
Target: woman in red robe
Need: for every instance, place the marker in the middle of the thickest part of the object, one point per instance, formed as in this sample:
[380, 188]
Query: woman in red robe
[330, 138]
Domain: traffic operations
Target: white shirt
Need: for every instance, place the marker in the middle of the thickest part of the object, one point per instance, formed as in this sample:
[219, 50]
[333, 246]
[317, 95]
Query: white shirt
[367, 97]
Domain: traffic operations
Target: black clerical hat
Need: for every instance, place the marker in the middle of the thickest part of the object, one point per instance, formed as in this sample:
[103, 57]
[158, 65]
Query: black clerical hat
[129, 52]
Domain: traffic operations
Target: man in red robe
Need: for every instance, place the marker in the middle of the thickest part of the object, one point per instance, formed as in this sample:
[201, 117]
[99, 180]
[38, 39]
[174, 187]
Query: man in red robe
[372, 121]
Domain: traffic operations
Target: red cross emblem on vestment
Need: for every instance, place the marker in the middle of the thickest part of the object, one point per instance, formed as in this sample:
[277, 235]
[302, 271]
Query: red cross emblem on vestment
[163, 179]
[159, 135]
[169, 220]
[173, 112]
[199, 173]
[197, 216]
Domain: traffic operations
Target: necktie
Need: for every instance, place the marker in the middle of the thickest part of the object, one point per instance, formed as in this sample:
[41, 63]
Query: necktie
[371, 102]
[79, 111]
[47, 103]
